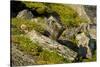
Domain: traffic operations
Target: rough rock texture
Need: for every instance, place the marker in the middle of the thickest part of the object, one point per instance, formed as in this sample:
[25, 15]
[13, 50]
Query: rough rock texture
[25, 14]
[53, 27]
[81, 12]
[68, 33]
[83, 42]
[91, 12]
[92, 31]
[19, 58]
[51, 45]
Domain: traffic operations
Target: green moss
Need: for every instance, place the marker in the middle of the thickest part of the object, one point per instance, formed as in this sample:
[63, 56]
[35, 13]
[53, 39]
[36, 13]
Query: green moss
[40, 7]
[47, 57]
[17, 22]
[16, 31]
[68, 16]
[32, 48]
[92, 59]
[24, 44]
[33, 4]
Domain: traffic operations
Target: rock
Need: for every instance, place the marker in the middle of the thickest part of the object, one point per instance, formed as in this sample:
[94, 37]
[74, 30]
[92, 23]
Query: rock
[81, 12]
[91, 12]
[83, 42]
[48, 43]
[53, 27]
[19, 58]
[92, 31]
[25, 14]
[82, 39]
[68, 33]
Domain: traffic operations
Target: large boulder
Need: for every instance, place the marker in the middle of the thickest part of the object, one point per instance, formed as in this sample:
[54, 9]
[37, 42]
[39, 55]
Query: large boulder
[52, 45]
[25, 14]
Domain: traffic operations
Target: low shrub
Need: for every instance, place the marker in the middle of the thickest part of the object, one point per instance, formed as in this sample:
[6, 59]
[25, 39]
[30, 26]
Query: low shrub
[17, 22]
[33, 49]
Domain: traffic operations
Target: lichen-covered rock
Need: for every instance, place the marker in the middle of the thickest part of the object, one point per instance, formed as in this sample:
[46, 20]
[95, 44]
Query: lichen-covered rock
[19, 58]
[92, 31]
[81, 12]
[25, 14]
[68, 33]
[83, 42]
[82, 39]
[53, 27]
[51, 45]
[91, 12]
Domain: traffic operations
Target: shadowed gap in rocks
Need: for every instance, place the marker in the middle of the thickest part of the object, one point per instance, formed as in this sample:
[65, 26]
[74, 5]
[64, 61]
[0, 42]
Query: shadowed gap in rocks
[69, 44]
[16, 6]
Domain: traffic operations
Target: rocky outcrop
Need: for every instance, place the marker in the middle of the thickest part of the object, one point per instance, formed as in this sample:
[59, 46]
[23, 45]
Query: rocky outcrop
[69, 42]
[52, 45]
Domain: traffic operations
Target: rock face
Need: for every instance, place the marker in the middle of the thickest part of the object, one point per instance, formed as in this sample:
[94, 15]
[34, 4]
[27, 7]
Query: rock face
[19, 58]
[25, 14]
[51, 45]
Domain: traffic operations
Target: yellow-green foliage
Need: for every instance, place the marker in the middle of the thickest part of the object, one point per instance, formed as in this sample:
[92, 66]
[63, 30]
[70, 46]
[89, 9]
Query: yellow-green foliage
[17, 22]
[33, 4]
[68, 16]
[24, 44]
[32, 48]
[47, 57]
[40, 7]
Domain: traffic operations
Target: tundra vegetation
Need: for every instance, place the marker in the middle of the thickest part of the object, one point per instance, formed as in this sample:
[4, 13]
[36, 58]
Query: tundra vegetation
[67, 17]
